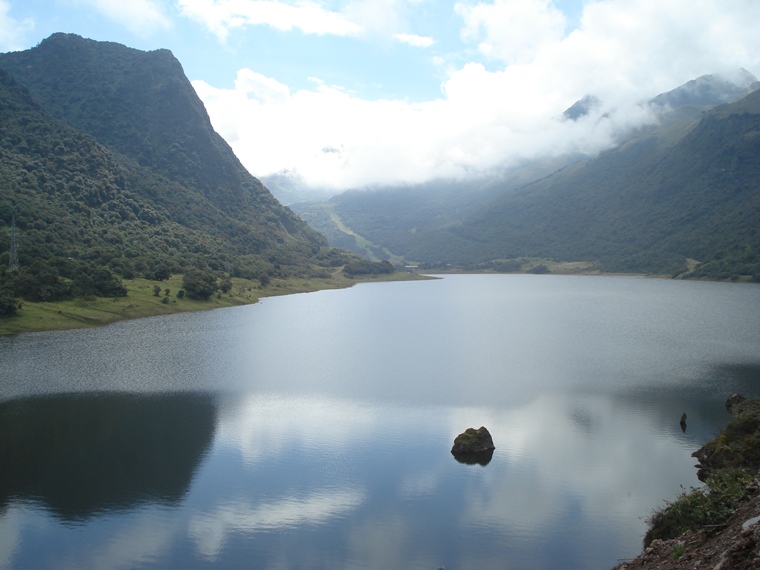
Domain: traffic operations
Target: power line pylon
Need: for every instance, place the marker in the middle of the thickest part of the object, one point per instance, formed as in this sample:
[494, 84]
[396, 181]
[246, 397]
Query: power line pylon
[13, 259]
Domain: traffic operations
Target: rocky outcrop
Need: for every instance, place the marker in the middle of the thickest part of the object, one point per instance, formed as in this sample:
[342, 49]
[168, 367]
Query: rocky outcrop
[734, 545]
[738, 445]
[473, 441]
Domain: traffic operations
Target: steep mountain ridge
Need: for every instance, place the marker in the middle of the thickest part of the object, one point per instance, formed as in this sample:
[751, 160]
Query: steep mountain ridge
[141, 105]
[110, 168]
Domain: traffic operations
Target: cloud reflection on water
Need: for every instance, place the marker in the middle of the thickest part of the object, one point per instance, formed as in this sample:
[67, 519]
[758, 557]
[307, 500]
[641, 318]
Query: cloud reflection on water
[379, 484]
[210, 530]
[589, 452]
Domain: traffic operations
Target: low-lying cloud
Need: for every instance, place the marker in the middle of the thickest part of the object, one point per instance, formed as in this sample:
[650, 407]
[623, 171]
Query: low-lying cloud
[526, 66]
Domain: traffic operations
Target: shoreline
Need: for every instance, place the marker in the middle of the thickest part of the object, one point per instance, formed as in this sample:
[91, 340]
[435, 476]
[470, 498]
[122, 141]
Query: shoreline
[718, 525]
[141, 301]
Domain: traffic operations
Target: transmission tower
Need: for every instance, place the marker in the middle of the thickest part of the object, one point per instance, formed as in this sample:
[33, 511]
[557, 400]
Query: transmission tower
[13, 259]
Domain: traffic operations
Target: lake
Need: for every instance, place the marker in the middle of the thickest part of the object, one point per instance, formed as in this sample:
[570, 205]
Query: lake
[313, 431]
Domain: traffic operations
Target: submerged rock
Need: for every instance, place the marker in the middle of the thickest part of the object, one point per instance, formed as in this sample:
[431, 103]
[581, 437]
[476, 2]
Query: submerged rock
[473, 441]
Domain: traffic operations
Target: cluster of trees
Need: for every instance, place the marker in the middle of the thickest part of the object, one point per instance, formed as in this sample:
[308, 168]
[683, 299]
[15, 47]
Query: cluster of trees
[199, 285]
[366, 267]
[57, 279]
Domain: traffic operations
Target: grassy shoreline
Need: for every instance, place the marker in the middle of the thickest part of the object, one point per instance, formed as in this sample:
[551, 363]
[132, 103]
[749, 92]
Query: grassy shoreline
[141, 302]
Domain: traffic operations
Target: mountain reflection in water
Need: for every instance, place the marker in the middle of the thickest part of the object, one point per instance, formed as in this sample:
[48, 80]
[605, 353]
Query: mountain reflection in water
[85, 454]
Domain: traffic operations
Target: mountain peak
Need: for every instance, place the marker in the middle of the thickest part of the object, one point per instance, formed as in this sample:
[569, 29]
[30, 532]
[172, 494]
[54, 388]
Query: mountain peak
[581, 108]
[710, 90]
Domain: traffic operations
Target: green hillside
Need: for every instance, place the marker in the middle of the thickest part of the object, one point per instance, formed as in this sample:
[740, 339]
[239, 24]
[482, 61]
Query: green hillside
[393, 219]
[110, 169]
[141, 106]
[644, 207]
[680, 197]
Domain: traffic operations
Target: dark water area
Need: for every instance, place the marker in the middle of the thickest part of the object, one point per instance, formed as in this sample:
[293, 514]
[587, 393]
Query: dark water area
[83, 455]
[313, 431]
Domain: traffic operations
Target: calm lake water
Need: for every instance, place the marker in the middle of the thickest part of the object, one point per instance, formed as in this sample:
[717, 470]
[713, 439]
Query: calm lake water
[313, 431]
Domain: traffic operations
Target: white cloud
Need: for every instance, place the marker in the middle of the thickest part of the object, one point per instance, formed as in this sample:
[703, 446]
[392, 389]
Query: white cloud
[12, 31]
[262, 88]
[623, 52]
[512, 30]
[222, 16]
[414, 40]
[141, 17]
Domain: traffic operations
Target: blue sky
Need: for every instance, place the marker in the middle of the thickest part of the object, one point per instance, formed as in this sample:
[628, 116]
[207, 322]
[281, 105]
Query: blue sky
[351, 93]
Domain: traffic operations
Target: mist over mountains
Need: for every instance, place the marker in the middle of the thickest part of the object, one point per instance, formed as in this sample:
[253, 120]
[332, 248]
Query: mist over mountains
[678, 196]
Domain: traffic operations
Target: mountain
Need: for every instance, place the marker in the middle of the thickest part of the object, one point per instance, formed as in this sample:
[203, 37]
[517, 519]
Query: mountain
[141, 105]
[582, 108]
[709, 90]
[109, 160]
[384, 223]
[645, 206]
[683, 191]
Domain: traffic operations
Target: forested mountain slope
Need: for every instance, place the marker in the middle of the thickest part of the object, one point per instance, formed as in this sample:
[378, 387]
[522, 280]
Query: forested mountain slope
[110, 168]
[645, 206]
[391, 220]
[141, 105]
[685, 188]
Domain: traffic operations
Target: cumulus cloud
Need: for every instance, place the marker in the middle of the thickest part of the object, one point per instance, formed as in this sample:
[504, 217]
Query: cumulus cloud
[512, 30]
[12, 31]
[222, 16]
[496, 111]
[141, 17]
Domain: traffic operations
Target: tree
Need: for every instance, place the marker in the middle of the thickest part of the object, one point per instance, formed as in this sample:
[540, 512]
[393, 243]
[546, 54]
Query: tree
[539, 269]
[366, 267]
[199, 285]
[8, 305]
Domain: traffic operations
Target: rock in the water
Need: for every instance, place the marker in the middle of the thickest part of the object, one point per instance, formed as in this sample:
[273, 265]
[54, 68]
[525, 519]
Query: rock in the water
[473, 441]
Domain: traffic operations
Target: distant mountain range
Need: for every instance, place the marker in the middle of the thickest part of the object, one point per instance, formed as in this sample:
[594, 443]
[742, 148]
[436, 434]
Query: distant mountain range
[109, 160]
[680, 197]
